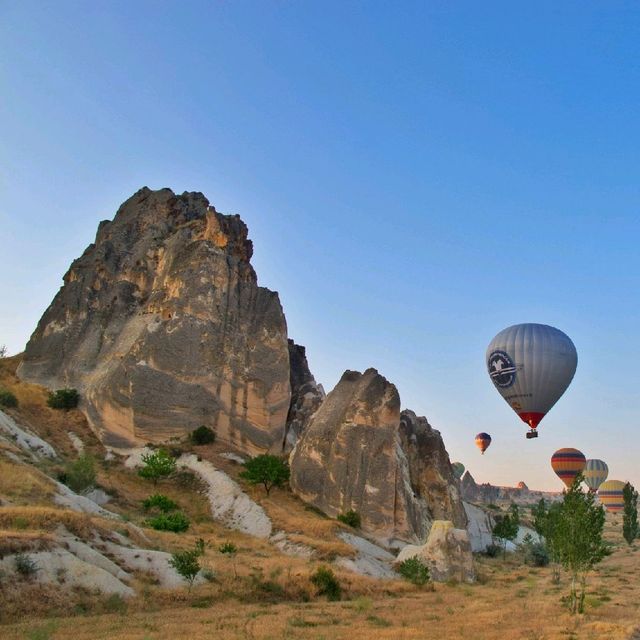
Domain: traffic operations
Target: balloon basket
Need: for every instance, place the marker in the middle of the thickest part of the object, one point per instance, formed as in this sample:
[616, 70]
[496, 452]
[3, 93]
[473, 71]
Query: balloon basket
[531, 434]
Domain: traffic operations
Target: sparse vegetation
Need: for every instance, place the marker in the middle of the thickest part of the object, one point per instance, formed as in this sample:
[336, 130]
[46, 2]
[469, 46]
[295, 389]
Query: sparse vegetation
[176, 522]
[414, 570]
[25, 565]
[230, 550]
[630, 526]
[160, 502]
[506, 527]
[157, 465]
[7, 399]
[63, 399]
[535, 552]
[267, 470]
[327, 583]
[351, 518]
[202, 435]
[80, 474]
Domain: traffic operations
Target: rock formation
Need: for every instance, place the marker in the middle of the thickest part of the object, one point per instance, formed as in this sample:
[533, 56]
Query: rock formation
[162, 327]
[447, 553]
[490, 494]
[359, 452]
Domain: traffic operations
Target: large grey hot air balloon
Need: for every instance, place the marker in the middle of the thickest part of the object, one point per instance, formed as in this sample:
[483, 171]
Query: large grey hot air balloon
[531, 365]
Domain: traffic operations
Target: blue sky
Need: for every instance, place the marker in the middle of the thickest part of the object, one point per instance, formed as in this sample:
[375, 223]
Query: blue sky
[415, 177]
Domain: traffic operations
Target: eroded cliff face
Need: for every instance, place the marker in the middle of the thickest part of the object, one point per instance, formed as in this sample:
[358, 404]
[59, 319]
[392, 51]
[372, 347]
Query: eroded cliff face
[359, 452]
[162, 327]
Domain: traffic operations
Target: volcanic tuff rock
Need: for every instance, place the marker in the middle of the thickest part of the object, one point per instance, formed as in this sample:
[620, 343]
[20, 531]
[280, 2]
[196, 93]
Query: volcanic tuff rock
[359, 452]
[162, 327]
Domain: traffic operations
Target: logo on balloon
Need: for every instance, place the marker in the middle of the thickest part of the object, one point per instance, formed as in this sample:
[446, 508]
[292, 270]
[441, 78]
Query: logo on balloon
[501, 369]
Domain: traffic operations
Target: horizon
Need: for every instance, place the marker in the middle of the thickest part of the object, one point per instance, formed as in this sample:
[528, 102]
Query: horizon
[409, 193]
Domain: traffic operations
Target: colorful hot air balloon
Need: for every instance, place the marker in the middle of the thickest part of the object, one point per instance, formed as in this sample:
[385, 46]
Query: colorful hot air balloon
[458, 469]
[483, 440]
[610, 494]
[595, 473]
[531, 365]
[567, 464]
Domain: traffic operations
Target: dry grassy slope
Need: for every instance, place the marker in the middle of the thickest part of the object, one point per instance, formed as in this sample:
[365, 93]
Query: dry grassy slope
[267, 599]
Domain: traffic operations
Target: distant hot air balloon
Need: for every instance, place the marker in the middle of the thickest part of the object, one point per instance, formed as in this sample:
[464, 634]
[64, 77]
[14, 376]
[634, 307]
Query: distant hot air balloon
[568, 463]
[595, 473]
[531, 365]
[610, 494]
[458, 469]
[483, 440]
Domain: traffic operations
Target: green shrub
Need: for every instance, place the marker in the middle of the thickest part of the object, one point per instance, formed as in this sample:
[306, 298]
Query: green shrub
[202, 435]
[25, 565]
[351, 518]
[160, 502]
[157, 465]
[327, 584]
[267, 470]
[186, 563]
[80, 474]
[63, 399]
[414, 570]
[7, 399]
[228, 548]
[176, 522]
[492, 550]
[536, 554]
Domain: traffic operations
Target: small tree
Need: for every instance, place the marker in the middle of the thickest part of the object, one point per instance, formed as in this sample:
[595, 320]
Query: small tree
[506, 527]
[267, 470]
[3, 351]
[327, 584]
[187, 563]
[414, 570]
[577, 539]
[63, 399]
[230, 550]
[630, 526]
[157, 465]
[202, 435]
[545, 521]
[80, 474]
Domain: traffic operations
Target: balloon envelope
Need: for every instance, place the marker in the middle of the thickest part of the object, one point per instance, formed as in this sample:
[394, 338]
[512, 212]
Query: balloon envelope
[483, 440]
[567, 464]
[531, 365]
[458, 469]
[610, 494]
[595, 473]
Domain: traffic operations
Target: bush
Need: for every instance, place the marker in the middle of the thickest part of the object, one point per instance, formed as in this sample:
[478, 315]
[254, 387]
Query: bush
[7, 399]
[267, 470]
[327, 584]
[80, 474]
[63, 399]
[492, 550]
[536, 554]
[228, 548]
[157, 465]
[351, 518]
[25, 565]
[414, 570]
[160, 502]
[202, 435]
[186, 563]
[176, 522]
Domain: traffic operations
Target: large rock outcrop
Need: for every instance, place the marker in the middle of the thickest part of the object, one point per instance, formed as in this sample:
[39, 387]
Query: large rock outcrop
[359, 452]
[162, 327]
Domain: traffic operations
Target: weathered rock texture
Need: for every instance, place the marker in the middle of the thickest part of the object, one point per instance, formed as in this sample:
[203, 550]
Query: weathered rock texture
[162, 327]
[490, 494]
[447, 553]
[359, 452]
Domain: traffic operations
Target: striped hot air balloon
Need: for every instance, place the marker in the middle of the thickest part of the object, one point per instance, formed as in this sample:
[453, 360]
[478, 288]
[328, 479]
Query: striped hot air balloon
[595, 473]
[458, 469]
[610, 494]
[483, 440]
[531, 365]
[567, 464]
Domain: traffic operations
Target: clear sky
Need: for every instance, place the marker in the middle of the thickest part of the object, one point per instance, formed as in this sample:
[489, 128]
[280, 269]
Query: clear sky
[415, 177]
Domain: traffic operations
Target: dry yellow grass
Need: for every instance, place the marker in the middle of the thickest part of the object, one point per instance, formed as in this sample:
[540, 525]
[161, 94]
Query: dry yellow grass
[23, 484]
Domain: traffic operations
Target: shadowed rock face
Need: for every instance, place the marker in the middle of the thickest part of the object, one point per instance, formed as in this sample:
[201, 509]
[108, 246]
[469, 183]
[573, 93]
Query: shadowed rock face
[162, 327]
[358, 452]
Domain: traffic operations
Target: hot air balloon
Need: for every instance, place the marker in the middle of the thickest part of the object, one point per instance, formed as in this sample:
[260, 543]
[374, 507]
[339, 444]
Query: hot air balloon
[458, 469]
[595, 473]
[610, 494]
[568, 463]
[531, 366]
[483, 440]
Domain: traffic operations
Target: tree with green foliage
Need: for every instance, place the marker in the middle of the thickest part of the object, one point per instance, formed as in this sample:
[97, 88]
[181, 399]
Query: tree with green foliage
[507, 526]
[268, 470]
[577, 539]
[8, 399]
[327, 584]
[630, 526]
[187, 563]
[545, 520]
[176, 522]
[63, 399]
[80, 474]
[230, 550]
[202, 435]
[157, 465]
